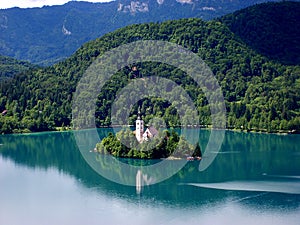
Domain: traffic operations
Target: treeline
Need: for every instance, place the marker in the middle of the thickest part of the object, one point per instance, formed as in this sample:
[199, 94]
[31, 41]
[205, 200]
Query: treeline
[259, 94]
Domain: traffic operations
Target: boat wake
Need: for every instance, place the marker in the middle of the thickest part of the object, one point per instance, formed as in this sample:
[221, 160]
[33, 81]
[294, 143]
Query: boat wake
[259, 186]
[281, 176]
[250, 197]
[228, 152]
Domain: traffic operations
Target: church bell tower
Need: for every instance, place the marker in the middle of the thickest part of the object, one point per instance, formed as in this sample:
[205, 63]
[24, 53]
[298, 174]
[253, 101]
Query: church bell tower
[139, 127]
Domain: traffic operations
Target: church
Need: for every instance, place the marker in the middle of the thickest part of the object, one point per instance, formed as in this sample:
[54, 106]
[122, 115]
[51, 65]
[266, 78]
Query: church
[141, 134]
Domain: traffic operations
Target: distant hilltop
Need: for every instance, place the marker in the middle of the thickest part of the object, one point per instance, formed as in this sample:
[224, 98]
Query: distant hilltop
[50, 34]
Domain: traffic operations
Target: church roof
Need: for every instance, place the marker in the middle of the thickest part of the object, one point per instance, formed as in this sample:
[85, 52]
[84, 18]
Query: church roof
[153, 131]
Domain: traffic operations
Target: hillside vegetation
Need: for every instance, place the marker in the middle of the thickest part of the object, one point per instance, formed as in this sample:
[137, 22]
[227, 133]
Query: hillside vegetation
[260, 94]
[48, 35]
[10, 67]
[272, 29]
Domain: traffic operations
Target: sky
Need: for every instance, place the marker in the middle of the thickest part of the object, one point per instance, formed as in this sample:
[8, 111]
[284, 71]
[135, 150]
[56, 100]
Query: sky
[4, 4]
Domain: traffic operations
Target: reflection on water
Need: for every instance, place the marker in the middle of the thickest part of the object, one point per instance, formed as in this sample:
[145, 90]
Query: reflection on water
[139, 183]
[255, 179]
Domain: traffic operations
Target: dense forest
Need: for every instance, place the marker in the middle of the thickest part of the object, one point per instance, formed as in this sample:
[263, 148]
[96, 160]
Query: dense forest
[260, 94]
[50, 34]
[277, 37]
[10, 67]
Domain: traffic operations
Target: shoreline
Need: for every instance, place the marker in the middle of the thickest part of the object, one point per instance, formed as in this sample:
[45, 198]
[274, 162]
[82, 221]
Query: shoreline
[209, 127]
[202, 127]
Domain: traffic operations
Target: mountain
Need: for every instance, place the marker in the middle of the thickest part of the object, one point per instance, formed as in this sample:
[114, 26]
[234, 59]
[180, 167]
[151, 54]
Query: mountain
[272, 29]
[50, 34]
[260, 94]
[9, 67]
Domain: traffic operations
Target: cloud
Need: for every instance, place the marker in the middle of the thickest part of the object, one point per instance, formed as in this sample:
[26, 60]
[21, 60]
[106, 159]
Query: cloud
[37, 3]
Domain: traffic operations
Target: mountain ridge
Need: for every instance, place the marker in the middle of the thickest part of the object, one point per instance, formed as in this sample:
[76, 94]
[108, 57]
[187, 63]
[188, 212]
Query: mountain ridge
[260, 94]
[279, 24]
[57, 31]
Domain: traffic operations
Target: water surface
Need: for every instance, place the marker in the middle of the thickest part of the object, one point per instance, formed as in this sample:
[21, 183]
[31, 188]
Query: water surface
[255, 179]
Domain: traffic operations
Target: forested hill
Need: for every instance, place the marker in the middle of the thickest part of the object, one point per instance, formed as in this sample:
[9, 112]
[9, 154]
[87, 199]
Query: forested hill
[260, 94]
[272, 29]
[10, 67]
[50, 34]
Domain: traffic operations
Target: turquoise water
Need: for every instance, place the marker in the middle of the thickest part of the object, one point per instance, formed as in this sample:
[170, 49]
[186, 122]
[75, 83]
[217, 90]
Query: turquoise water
[254, 179]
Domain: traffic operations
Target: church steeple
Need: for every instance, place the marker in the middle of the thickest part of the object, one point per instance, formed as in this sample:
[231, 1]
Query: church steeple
[139, 114]
[139, 127]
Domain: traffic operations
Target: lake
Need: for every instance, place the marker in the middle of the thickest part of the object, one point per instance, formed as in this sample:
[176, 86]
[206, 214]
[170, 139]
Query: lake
[254, 179]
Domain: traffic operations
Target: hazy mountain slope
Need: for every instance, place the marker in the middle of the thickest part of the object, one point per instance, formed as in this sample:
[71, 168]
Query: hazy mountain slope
[49, 34]
[259, 94]
[10, 67]
[271, 29]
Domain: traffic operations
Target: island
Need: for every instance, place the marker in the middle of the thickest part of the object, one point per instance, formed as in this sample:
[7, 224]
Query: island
[149, 143]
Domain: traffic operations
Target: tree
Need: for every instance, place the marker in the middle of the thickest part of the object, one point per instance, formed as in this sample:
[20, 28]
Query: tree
[197, 152]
